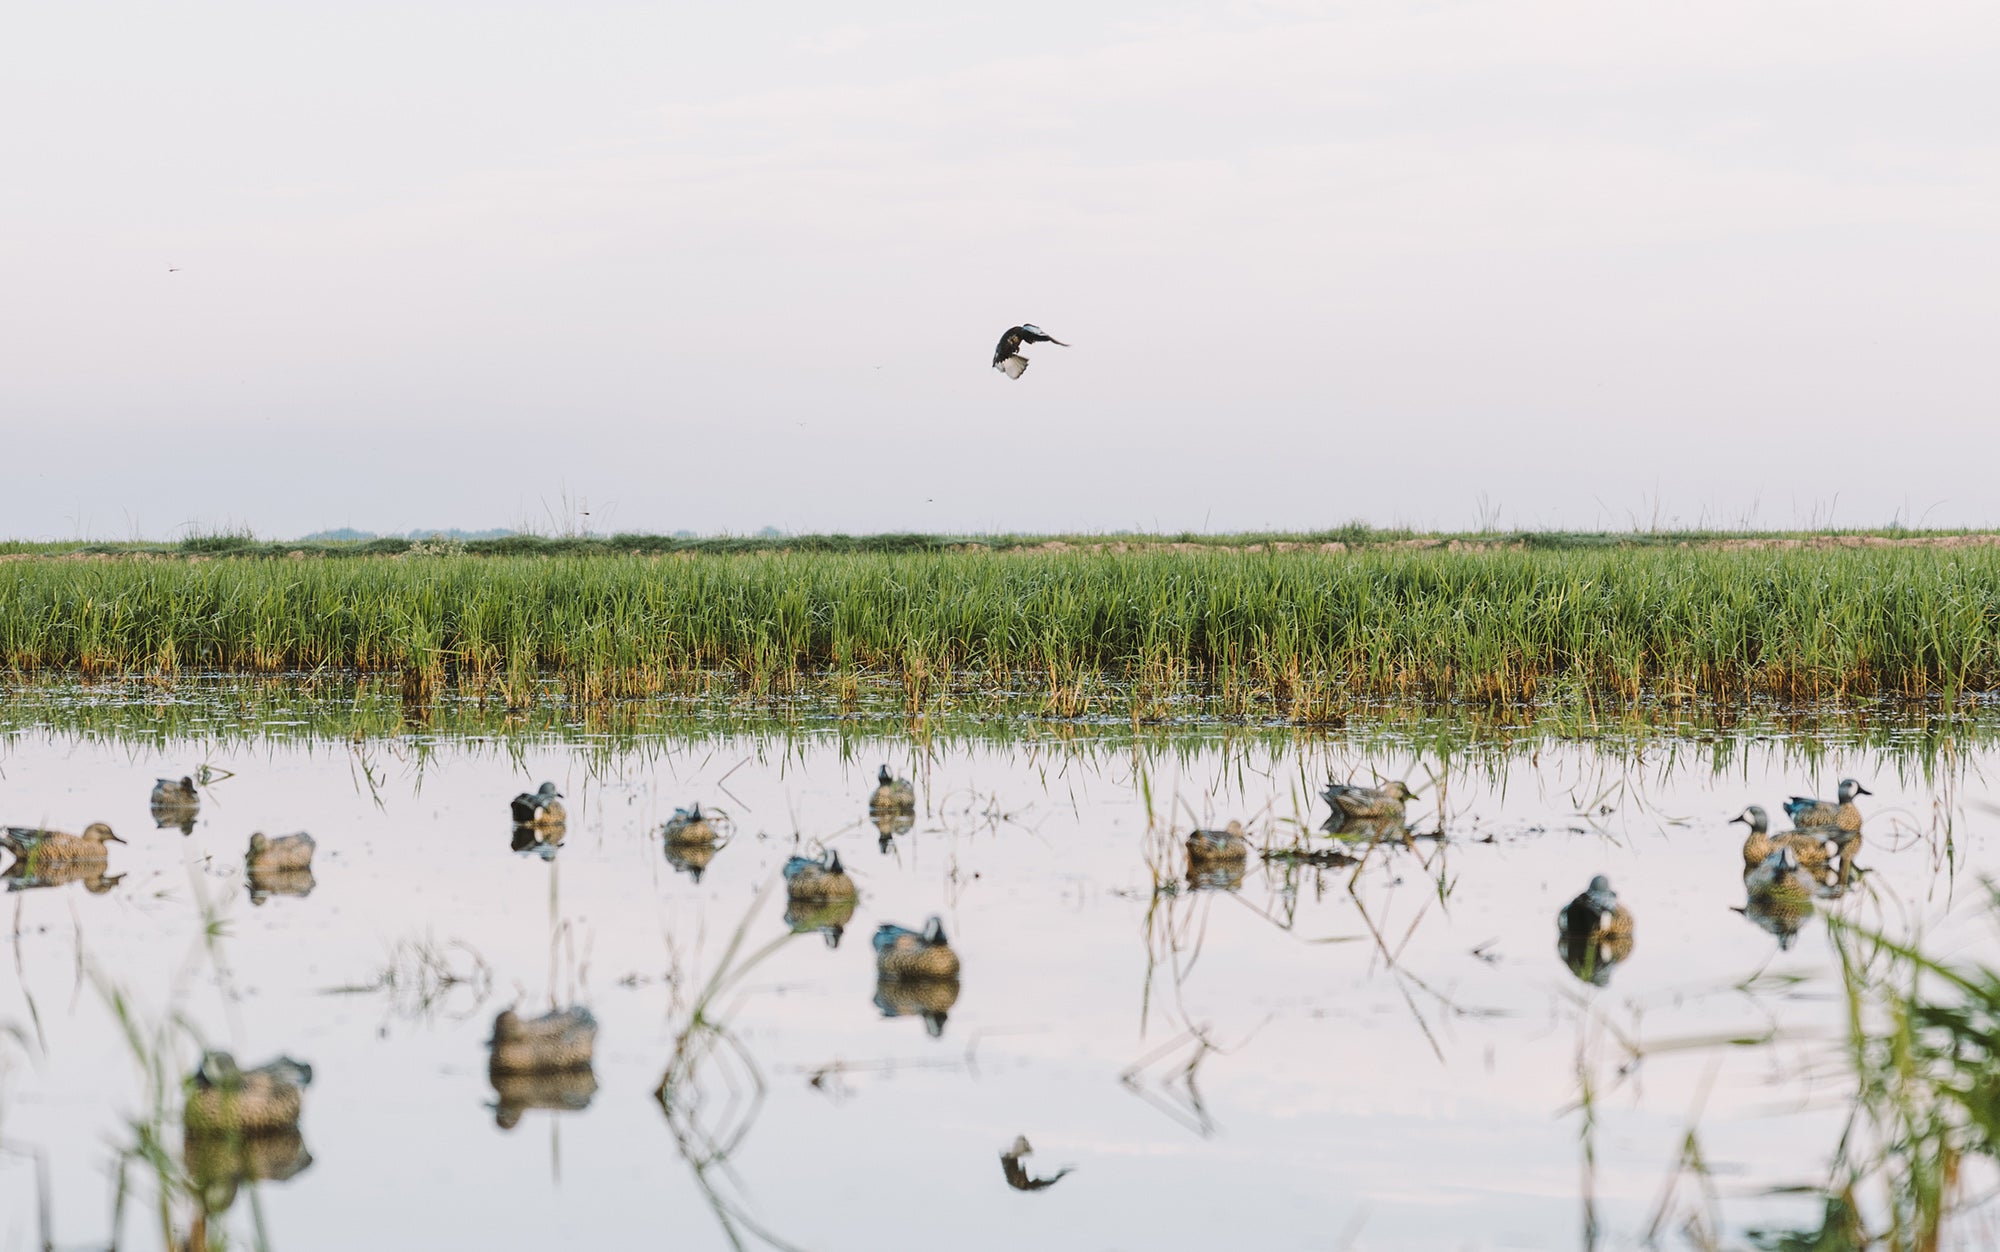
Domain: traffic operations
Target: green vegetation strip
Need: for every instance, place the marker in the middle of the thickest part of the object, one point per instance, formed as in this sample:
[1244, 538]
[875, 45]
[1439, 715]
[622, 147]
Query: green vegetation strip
[1291, 633]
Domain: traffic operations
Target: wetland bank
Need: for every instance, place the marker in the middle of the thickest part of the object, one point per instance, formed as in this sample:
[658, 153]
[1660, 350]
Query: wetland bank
[1376, 1046]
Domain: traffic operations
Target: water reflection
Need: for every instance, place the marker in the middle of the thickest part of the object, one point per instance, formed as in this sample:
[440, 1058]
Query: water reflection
[218, 1163]
[1011, 1165]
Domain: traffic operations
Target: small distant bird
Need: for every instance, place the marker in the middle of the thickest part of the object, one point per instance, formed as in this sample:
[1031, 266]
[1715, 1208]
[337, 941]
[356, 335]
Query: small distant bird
[284, 852]
[688, 826]
[822, 880]
[1367, 802]
[224, 1098]
[540, 807]
[1842, 815]
[1007, 357]
[904, 953]
[1211, 846]
[892, 794]
[1594, 932]
[1812, 848]
[1017, 1173]
[173, 269]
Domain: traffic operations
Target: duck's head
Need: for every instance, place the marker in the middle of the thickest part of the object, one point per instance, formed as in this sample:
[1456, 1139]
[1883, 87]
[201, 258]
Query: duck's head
[934, 929]
[1400, 790]
[831, 864]
[1601, 894]
[1234, 828]
[548, 791]
[101, 833]
[1850, 789]
[258, 843]
[187, 783]
[217, 1069]
[883, 777]
[1755, 818]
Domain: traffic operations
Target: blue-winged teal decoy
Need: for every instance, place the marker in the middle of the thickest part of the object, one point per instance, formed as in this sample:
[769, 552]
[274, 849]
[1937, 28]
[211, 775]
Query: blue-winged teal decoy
[689, 825]
[540, 807]
[892, 794]
[1206, 847]
[175, 803]
[1007, 356]
[1842, 814]
[557, 1040]
[807, 879]
[1594, 932]
[225, 1099]
[1779, 895]
[914, 954]
[1011, 1162]
[1813, 850]
[1369, 803]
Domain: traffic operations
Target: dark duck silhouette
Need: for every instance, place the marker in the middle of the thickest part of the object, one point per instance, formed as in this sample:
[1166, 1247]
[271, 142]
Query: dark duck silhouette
[1007, 357]
[1017, 1173]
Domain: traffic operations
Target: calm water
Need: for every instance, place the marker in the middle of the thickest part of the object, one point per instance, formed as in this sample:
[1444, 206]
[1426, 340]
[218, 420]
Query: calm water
[1386, 1056]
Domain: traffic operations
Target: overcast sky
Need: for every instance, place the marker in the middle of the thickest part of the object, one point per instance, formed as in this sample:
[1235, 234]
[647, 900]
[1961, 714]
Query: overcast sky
[721, 267]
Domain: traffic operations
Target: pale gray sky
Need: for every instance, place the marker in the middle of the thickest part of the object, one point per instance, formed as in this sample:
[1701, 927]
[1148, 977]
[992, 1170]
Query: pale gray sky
[718, 267]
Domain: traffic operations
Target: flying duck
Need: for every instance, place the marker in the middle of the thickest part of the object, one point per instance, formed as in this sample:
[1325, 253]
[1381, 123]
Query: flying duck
[1007, 357]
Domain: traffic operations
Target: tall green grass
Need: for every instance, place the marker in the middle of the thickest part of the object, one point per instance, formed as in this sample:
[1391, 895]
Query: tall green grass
[1295, 632]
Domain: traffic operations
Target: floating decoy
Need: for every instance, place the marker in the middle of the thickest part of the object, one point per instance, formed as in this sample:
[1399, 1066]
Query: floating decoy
[828, 917]
[557, 1040]
[540, 807]
[1007, 357]
[284, 852]
[1594, 933]
[1017, 1173]
[892, 794]
[911, 954]
[928, 998]
[819, 880]
[1205, 847]
[42, 854]
[556, 1091]
[175, 803]
[688, 826]
[224, 1099]
[1780, 895]
[1372, 803]
[1813, 850]
[1842, 814]
[219, 1162]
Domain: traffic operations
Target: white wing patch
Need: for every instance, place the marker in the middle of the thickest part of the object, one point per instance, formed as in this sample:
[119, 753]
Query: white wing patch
[1012, 366]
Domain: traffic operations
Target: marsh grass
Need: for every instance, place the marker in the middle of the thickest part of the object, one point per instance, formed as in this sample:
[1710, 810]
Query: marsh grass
[1296, 635]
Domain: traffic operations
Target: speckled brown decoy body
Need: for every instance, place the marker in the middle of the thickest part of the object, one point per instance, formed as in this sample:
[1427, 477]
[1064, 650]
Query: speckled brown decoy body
[540, 807]
[1842, 815]
[1814, 851]
[556, 1091]
[1594, 932]
[223, 1099]
[892, 794]
[41, 853]
[557, 1040]
[819, 880]
[1368, 802]
[1780, 896]
[910, 954]
[928, 998]
[689, 826]
[284, 852]
[1212, 847]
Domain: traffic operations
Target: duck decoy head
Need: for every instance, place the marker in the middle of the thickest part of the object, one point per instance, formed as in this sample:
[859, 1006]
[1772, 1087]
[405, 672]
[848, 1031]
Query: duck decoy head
[1849, 789]
[1754, 817]
[884, 777]
[934, 929]
[100, 832]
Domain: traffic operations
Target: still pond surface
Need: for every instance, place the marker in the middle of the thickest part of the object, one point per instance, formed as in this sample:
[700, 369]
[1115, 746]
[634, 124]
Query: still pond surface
[1379, 1054]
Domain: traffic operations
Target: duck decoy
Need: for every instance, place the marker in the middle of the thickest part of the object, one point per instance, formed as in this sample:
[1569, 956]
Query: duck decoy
[1813, 850]
[540, 807]
[219, 1162]
[1017, 1173]
[902, 953]
[819, 880]
[1842, 814]
[554, 1091]
[225, 1099]
[892, 794]
[928, 998]
[689, 826]
[828, 917]
[1594, 933]
[1007, 356]
[1369, 803]
[557, 1040]
[1205, 847]
[1780, 895]
[284, 852]
[175, 803]
[46, 854]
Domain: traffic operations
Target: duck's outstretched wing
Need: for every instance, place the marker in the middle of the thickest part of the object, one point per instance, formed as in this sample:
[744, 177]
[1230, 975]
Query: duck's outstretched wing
[1012, 366]
[1035, 334]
